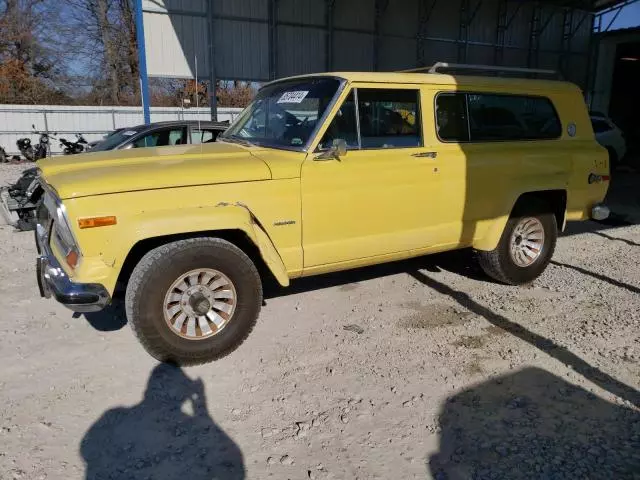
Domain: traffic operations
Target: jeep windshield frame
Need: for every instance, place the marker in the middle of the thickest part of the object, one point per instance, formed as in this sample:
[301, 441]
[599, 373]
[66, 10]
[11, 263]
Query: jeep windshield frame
[281, 113]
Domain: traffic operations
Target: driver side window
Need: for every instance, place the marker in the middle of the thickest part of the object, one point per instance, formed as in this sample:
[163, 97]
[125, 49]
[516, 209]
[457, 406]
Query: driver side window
[343, 125]
[388, 118]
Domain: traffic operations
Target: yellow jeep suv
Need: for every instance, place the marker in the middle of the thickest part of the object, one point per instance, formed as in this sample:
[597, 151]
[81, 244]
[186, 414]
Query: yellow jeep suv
[320, 173]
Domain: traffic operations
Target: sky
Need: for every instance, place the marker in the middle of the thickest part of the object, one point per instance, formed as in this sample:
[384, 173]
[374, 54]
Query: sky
[629, 17]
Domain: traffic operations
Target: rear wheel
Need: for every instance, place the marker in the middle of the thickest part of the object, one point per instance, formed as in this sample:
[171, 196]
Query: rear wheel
[524, 251]
[193, 301]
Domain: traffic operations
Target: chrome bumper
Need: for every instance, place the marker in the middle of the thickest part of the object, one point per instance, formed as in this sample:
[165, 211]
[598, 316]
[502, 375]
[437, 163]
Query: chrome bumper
[52, 281]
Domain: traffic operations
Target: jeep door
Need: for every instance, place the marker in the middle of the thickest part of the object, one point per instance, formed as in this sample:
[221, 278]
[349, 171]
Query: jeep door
[378, 198]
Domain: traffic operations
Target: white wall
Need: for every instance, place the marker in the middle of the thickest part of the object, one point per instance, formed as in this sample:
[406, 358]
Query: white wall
[92, 122]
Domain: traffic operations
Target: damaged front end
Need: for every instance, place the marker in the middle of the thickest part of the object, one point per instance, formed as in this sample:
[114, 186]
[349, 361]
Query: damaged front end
[20, 201]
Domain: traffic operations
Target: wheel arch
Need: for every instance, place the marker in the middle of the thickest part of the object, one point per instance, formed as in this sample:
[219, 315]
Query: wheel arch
[552, 200]
[245, 232]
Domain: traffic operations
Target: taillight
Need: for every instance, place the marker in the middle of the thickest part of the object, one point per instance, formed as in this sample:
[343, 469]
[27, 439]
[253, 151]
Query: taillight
[595, 178]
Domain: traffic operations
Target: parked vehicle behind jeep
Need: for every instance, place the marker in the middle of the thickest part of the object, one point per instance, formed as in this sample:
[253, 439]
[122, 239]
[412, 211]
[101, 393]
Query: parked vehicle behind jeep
[18, 202]
[319, 173]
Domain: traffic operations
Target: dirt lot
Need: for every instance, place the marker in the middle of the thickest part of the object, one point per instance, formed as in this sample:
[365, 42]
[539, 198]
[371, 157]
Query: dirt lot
[421, 369]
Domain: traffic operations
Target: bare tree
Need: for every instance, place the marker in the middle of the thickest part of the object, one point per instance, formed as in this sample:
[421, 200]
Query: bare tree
[103, 34]
[29, 65]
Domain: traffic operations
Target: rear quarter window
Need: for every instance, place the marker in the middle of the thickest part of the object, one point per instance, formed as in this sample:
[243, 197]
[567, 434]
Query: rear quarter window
[512, 117]
[485, 117]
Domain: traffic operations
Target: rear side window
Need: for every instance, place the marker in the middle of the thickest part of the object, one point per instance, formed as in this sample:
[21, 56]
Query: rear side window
[451, 117]
[204, 135]
[161, 138]
[512, 117]
[600, 126]
[479, 117]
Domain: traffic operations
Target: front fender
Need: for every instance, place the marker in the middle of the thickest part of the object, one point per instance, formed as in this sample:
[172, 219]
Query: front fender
[223, 216]
[106, 249]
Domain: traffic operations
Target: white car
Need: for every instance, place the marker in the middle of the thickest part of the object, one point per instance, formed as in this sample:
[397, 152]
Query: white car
[609, 136]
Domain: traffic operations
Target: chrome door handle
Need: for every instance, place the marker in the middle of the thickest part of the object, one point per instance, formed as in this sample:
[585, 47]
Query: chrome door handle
[425, 154]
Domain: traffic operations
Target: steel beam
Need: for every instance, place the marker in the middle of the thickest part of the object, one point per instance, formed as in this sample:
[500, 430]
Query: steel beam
[565, 39]
[532, 54]
[273, 39]
[328, 47]
[463, 37]
[592, 58]
[501, 28]
[425, 10]
[213, 91]
[142, 60]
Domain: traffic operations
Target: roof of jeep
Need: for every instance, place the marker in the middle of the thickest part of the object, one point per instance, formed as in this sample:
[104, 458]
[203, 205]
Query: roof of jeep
[506, 83]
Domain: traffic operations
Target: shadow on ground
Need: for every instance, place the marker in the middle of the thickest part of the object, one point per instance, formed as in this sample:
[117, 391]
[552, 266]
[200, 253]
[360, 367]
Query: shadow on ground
[599, 276]
[461, 262]
[551, 348]
[169, 435]
[111, 318]
[532, 424]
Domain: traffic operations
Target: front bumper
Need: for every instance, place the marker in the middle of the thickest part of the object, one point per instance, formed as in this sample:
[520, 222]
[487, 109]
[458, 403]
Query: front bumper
[53, 281]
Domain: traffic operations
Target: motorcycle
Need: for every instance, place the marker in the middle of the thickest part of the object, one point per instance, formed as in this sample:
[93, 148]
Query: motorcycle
[72, 148]
[26, 149]
[41, 150]
[22, 199]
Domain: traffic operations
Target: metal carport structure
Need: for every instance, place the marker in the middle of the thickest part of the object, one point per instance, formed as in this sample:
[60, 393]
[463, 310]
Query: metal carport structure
[260, 40]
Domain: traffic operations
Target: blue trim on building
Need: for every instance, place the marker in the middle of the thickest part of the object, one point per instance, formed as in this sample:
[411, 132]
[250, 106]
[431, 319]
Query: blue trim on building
[142, 60]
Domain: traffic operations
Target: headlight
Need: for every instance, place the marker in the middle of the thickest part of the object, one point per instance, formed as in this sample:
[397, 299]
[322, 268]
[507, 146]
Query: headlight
[61, 233]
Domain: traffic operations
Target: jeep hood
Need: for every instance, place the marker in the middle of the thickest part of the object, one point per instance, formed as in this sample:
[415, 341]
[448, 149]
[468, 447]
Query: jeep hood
[152, 168]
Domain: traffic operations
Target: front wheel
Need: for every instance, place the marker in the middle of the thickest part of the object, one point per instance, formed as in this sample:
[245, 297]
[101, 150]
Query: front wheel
[524, 251]
[193, 301]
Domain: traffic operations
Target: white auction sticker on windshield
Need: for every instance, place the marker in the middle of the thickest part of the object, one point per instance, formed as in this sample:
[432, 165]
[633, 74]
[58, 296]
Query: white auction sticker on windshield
[293, 97]
[128, 133]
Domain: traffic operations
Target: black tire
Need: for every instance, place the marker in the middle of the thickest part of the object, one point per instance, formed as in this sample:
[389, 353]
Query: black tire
[156, 272]
[498, 263]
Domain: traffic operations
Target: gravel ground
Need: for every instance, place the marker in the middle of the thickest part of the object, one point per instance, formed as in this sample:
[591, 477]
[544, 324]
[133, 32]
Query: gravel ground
[419, 369]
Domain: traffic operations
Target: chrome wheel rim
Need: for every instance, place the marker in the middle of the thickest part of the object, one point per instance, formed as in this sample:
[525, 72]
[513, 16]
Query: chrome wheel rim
[200, 303]
[527, 241]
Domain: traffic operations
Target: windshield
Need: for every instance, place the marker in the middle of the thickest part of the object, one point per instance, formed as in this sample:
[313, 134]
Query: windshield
[111, 141]
[284, 114]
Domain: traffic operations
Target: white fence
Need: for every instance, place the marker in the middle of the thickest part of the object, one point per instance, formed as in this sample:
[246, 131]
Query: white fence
[92, 122]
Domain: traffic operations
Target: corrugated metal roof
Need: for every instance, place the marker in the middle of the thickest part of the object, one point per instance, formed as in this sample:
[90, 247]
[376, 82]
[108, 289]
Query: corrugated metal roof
[243, 36]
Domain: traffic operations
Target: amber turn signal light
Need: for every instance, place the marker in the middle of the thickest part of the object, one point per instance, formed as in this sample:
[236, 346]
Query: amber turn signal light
[93, 222]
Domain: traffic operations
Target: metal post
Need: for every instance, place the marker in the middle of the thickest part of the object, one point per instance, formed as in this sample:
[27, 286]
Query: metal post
[425, 9]
[534, 33]
[142, 60]
[463, 36]
[213, 91]
[565, 41]
[113, 118]
[46, 123]
[501, 27]
[378, 8]
[592, 59]
[273, 39]
[328, 53]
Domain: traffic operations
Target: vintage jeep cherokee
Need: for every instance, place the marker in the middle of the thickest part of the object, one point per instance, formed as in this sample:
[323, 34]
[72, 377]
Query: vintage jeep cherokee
[320, 173]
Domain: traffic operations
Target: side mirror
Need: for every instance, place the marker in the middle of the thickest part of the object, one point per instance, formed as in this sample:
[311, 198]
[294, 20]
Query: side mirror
[337, 149]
